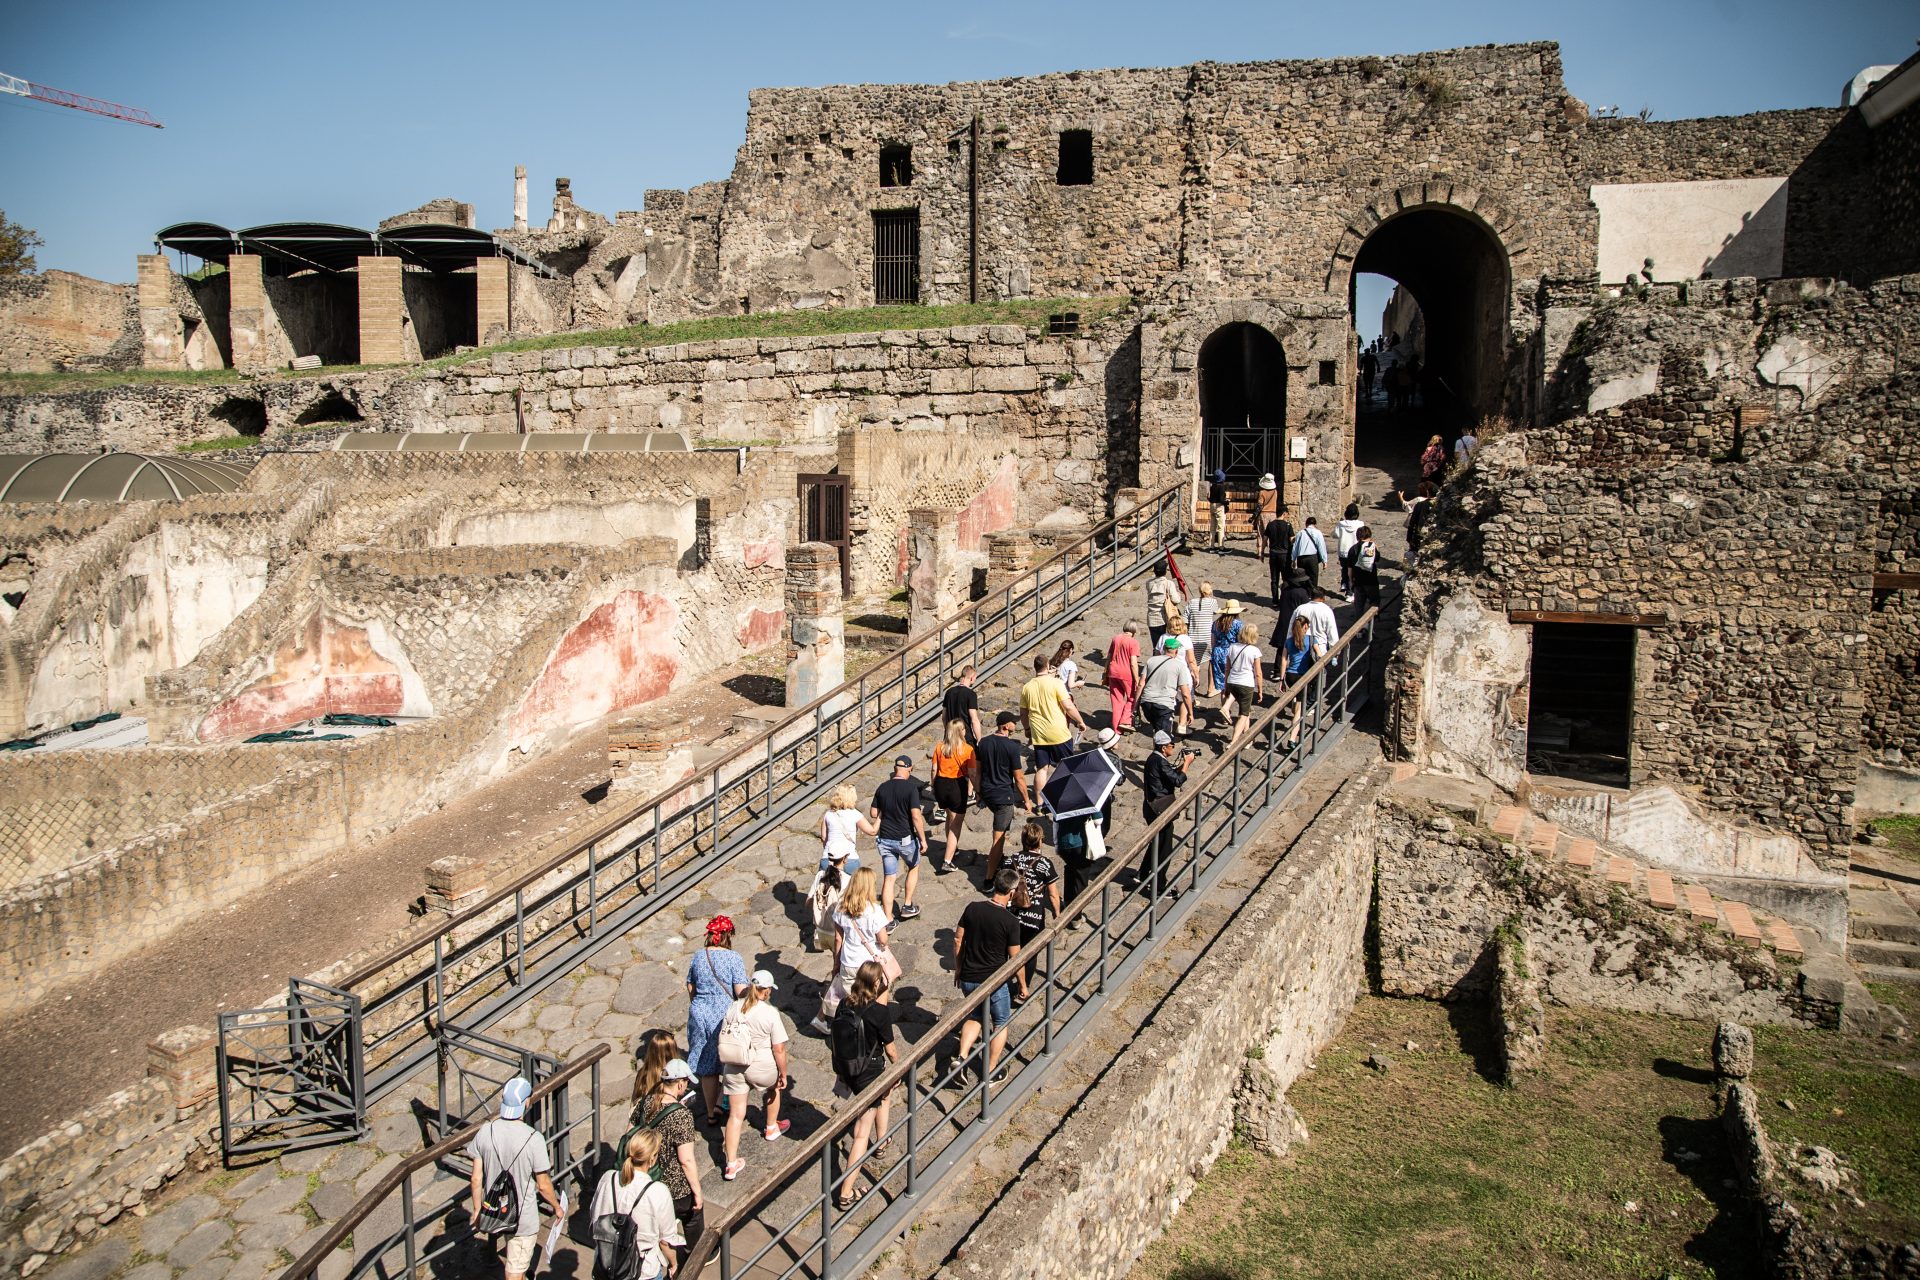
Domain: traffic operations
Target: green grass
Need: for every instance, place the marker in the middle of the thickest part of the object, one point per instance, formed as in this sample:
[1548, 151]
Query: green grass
[217, 445]
[1434, 1170]
[1902, 832]
[1027, 313]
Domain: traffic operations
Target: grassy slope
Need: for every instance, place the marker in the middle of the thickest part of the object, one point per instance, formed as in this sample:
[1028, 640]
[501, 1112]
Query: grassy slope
[1430, 1170]
[1030, 313]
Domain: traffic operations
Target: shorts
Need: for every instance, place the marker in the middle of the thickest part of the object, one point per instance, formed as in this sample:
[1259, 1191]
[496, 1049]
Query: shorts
[520, 1253]
[1242, 694]
[951, 794]
[897, 853]
[998, 1010]
[851, 865]
[1005, 815]
[755, 1075]
[1043, 757]
[1293, 678]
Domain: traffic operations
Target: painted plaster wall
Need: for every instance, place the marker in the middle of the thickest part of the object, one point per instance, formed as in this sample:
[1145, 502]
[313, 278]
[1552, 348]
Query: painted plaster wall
[327, 665]
[1724, 228]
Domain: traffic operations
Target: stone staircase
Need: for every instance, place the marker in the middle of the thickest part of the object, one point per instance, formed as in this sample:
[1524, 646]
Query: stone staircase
[1241, 509]
[1652, 885]
[1883, 925]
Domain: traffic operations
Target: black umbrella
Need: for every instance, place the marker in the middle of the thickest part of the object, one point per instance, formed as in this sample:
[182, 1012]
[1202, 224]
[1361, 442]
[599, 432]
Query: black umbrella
[1081, 784]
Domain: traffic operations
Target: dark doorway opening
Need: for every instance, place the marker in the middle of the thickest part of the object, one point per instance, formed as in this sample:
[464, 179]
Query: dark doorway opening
[1076, 158]
[823, 516]
[247, 417]
[896, 165]
[896, 256]
[331, 407]
[1580, 702]
[1454, 271]
[1243, 403]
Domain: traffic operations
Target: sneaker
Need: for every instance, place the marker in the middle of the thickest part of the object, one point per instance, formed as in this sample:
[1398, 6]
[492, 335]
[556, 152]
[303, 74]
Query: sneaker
[999, 1077]
[908, 912]
[732, 1171]
[820, 1024]
[774, 1133]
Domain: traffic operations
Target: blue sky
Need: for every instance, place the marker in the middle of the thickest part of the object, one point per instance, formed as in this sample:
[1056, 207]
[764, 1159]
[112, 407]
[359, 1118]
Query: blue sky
[348, 112]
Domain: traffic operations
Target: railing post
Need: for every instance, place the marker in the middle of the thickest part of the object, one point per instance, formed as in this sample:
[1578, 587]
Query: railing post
[407, 1223]
[826, 1213]
[1046, 1003]
[593, 888]
[519, 936]
[913, 1128]
[1106, 933]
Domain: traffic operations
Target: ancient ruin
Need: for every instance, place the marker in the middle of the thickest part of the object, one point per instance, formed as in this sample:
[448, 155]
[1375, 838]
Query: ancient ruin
[1653, 658]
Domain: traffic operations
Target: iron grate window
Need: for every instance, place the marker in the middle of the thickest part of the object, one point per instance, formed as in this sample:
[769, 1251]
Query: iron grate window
[896, 256]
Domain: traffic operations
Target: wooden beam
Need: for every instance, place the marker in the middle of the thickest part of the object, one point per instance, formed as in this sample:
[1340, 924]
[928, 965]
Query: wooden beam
[1896, 582]
[1590, 619]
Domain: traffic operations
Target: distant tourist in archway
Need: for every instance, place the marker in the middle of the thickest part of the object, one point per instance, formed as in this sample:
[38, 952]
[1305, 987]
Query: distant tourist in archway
[1266, 506]
[1369, 368]
[1433, 460]
[1217, 509]
[1346, 533]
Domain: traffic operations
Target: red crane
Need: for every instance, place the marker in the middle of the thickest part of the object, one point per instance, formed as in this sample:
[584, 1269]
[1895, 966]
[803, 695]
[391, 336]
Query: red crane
[78, 101]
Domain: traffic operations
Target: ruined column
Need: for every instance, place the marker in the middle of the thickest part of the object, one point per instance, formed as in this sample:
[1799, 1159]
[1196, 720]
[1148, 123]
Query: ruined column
[246, 312]
[816, 620]
[491, 317]
[382, 312]
[1009, 554]
[938, 580]
[519, 197]
[162, 344]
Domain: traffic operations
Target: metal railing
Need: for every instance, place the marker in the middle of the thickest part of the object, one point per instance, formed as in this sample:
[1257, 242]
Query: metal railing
[488, 960]
[791, 1226]
[386, 1238]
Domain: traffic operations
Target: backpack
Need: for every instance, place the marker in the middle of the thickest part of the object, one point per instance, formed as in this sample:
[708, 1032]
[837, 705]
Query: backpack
[735, 1043]
[659, 1161]
[616, 1248]
[500, 1208]
[852, 1056]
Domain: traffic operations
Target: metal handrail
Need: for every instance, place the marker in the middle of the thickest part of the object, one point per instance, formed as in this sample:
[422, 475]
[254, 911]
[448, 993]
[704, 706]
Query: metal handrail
[734, 803]
[308, 1264]
[1259, 740]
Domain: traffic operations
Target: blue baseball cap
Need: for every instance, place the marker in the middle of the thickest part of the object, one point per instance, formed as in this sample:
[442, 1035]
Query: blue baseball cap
[513, 1098]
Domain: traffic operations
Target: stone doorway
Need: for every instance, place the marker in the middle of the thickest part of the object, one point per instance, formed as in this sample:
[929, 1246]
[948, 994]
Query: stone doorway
[1580, 702]
[1243, 404]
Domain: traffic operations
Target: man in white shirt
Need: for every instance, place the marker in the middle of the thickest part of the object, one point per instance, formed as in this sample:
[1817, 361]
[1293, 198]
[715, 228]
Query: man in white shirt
[1322, 629]
[1464, 447]
[1310, 550]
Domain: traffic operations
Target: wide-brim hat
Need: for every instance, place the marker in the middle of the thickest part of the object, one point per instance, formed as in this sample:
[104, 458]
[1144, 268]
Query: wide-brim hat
[1266, 481]
[1230, 608]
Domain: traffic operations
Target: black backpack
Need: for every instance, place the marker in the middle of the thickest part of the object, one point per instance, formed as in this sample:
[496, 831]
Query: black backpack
[852, 1057]
[500, 1207]
[616, 1252]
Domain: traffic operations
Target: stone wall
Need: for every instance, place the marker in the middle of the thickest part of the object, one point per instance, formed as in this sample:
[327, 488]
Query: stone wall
[59, 320]
[1248, 1018]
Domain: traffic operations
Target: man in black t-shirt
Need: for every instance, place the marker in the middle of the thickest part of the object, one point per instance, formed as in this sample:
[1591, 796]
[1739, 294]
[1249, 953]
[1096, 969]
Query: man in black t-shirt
[902, 837]
[1003, 783]
[963, 704]
[1279, 551]
[986, 938]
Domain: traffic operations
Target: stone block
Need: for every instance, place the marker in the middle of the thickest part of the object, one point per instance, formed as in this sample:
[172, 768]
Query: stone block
[455, 883]
[1732, 1051]
[183, 1059]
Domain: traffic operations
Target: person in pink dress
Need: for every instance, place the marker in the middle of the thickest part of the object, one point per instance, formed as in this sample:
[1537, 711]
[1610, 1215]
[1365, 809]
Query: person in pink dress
[1123, 675]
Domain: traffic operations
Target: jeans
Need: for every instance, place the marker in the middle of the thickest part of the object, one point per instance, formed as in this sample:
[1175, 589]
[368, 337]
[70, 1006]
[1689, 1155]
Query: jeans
[895, 854]
[998, 1010]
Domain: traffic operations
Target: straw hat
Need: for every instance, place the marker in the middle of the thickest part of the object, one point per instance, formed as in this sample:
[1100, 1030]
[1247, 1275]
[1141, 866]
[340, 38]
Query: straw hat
[1230, 608]
[1266, 481]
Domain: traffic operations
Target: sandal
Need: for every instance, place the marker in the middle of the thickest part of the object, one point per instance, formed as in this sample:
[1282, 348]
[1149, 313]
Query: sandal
[732, 1171]
[845, 1204]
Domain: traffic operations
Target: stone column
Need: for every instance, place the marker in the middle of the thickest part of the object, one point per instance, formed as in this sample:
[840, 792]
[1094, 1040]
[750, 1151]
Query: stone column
[162, 344]
[1009, 554]
[246, 312]
[519, 197]
[383, 310]
[455, 883]
[184, 1059]
[491, 318]
[938, 580]
[816, 619]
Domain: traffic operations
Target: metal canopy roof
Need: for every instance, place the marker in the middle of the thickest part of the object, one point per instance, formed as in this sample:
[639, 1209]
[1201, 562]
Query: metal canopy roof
[112, 477]
[510, 442]
[328, 246]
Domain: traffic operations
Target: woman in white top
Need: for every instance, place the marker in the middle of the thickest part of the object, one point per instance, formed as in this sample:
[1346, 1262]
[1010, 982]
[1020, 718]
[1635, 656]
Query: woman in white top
[1244, 683]
[1200, 615]
[632, 1190]
[1177, 629]
[859, 935]
[839, 825]
[755, 1020]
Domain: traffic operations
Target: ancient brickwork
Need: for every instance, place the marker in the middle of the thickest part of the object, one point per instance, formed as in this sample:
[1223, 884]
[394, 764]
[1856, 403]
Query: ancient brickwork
[1763, 145]
[59, 320]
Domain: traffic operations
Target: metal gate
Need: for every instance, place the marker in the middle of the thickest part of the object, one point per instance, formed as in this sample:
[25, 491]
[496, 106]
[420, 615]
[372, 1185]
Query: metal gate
[1245, 453]
[823, 517]
[295, 1071]
[473, 1069]
[896, 256]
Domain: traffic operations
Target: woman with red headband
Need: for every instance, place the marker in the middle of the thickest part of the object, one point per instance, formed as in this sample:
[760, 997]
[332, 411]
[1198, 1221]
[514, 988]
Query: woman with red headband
[716, 977]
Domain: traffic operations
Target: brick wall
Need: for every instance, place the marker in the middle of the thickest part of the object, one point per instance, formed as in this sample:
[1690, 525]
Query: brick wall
[59, 320]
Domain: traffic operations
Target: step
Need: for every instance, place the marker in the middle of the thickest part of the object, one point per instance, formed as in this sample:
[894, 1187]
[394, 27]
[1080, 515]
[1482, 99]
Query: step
[1620, 871]
[1660, 889]
[1580, 853]
[1740, 921]
[1700, 905]
[1782, 938]
[1542, 839]
[1508, 821]
[1883, 914]
[1888, 973]
[1873, 951]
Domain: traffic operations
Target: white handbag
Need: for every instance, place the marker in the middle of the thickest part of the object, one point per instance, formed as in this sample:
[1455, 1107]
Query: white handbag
[1096, 842]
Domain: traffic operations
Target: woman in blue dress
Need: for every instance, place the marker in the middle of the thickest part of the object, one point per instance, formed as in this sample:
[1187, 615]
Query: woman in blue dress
[1226, 632]
[715, 978]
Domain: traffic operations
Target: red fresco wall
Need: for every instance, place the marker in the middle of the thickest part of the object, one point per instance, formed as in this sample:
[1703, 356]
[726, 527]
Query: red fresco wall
[992, 509]
[622, 655]
[330, 666]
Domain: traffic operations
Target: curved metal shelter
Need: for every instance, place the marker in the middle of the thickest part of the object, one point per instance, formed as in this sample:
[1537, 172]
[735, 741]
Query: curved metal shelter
[113, 477]
[330, 246]
[509, 442]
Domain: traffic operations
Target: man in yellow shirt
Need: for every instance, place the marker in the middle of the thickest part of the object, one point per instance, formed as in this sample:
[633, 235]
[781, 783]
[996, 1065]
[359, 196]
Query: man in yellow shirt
[1045, 710]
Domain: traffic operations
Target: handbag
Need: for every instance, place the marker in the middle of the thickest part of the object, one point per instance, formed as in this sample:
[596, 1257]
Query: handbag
[1096, 843]
[889, 965]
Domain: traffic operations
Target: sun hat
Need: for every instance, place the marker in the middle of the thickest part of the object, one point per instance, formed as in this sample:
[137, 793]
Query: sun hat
[513, 1098]
[763, 979]
[1106, 738]
[1232, 607]
[677, 1069]
[1266, 481]
[1162, 738]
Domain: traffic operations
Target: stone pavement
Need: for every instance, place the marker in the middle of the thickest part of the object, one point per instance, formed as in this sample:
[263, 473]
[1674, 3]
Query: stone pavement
[246, 1224]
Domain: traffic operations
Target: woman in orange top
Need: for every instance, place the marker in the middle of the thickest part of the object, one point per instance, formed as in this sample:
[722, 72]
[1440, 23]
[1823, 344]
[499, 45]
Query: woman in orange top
[955, 771]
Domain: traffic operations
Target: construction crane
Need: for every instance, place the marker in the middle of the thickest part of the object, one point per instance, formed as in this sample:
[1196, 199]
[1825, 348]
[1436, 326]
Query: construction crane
[78, 101]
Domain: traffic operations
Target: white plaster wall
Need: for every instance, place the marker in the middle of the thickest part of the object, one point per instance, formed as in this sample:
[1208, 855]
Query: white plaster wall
[595, 526]
[1477, 662]
[1729, 227]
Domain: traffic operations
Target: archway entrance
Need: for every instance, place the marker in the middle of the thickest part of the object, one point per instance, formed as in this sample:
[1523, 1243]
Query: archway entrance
[1456, 272]
[1243, 403]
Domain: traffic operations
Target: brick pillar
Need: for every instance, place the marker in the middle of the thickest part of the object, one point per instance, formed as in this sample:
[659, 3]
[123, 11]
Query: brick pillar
[817, 660]
[162, 342]
[938, 580]
[246, 311]
[650, 754]
[491, 319]
[183, 1059]
[455, 883]
[383, 310]
[1009, 554]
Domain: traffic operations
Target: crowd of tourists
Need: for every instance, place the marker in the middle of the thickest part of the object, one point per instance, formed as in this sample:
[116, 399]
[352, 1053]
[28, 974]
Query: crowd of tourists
[732, 1059]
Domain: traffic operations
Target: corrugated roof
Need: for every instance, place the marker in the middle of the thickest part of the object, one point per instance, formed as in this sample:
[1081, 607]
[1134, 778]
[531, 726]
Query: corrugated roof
[330, 246]
[112, 477]
[509, 442]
